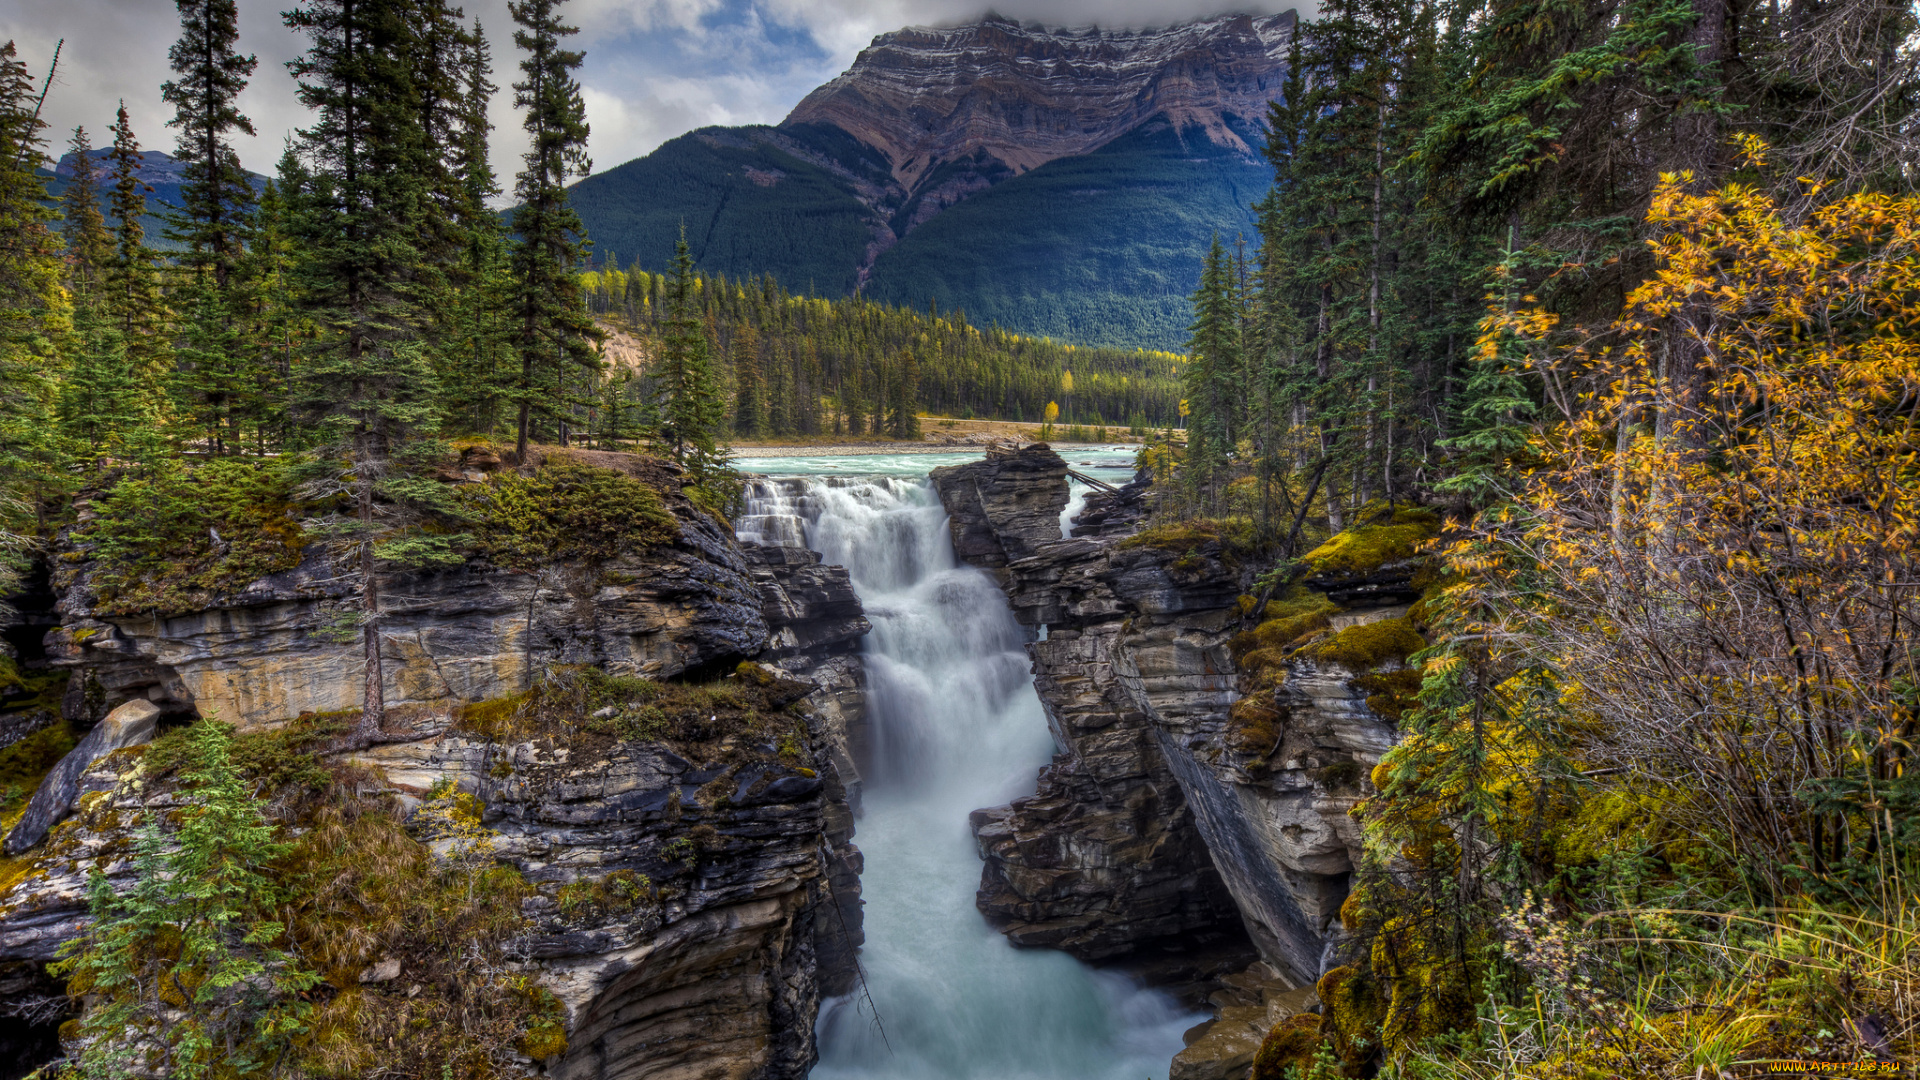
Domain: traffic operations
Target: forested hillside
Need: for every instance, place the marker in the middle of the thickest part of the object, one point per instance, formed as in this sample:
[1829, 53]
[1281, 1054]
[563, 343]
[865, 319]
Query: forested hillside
[792, 365]
[1598, 321]
[1053, 181]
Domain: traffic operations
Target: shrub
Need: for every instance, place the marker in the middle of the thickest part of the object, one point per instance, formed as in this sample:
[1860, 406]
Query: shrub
[568, 509]
[171, 538]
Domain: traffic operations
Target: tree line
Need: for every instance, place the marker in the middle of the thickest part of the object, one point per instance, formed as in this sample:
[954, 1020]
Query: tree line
[1435, 161]
[805, 365]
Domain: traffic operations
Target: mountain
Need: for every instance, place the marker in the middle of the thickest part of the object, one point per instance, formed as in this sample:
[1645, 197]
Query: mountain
[162, 175]
[1055, 181]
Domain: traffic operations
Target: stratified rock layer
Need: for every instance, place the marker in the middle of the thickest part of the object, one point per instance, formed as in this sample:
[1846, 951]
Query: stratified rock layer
[1137, 656]
[1004, 506]
[997, 98]
[477, 632]
[761, 915]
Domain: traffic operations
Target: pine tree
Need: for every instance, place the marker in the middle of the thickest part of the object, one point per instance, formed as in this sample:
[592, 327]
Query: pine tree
[33, 316]
[553, 327]
[217, 198]
[685, 393]
[365, 384]
[133, 282]
[182, 967]
[1211, 377]
[84, 227]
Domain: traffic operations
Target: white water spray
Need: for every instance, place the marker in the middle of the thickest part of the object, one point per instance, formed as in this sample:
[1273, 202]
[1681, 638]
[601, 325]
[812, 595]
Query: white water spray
[956, 725]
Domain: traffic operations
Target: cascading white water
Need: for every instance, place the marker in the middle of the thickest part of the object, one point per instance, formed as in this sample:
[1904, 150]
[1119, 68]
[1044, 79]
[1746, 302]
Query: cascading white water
[956, 725]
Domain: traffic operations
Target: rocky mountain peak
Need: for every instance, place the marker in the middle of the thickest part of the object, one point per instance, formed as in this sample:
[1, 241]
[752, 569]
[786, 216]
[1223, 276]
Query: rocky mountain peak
[1019, 95]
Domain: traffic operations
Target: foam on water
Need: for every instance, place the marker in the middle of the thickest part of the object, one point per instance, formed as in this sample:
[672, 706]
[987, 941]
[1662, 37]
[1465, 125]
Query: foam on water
[956, 725]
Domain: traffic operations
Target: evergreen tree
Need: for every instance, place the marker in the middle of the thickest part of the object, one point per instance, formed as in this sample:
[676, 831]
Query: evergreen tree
[84, 227]
[133, 282]
[217, 197]
[1211, 378]
[100, 408]
[554, 329]
[685, 393]
[33, 316]
[365, 384]
[182, 968]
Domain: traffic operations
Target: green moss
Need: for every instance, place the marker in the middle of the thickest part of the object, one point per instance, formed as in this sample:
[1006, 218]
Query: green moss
[568, 509]
[27, 762]
[155, 534]
[1289, 1049]
[1391, 694]
[1363, 647]
[613, 894]
[1366, 548]
[1235, 535]
[1287, 618]
[1355, 1008]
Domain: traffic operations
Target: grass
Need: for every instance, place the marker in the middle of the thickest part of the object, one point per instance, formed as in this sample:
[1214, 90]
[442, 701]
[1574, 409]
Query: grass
[704, 719]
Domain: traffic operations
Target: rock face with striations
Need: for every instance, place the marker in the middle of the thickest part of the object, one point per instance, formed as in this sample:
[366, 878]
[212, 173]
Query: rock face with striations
[1137, 655]
[468, 634]
[1004, 506]
[757, 913]
[997, 98]
[1104, 859]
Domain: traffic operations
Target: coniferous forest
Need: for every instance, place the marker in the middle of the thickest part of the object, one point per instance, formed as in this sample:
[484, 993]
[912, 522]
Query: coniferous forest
[1559, 424]
[794, 365]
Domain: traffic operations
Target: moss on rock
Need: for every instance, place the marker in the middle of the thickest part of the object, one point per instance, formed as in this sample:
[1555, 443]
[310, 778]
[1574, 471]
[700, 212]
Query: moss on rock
[1366, 548]
[1367, 646]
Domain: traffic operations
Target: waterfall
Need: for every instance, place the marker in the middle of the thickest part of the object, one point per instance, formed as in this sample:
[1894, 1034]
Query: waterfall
[955, 725]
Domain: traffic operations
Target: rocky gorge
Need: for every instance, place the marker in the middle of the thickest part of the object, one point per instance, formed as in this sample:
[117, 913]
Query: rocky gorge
[1186, 800]
[694, 898]
[690, 898]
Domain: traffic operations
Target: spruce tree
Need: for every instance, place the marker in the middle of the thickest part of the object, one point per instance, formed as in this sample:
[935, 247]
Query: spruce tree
[183, 969]
[686, 397]
[217, 197]
[84, 227]
[133, 281]
[33, 316]
[365, 385]
[553, 328]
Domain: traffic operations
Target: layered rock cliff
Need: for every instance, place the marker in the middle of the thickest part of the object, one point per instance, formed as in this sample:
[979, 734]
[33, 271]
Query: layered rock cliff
[957, 108]
[1140, 682]
[261, 654]
[747, 909]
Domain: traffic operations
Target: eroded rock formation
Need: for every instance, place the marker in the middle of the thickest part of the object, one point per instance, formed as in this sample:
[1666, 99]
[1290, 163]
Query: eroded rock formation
[1140, 683]
[962, 107]
[261, 654]
[1004, 506]
[756, 911]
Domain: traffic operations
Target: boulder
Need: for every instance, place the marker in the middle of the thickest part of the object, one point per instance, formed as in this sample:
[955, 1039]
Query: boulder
[1004, 506]
[129, 725]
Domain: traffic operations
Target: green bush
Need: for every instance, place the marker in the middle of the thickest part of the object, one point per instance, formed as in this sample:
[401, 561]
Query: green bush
[568, 509]
[170, 538]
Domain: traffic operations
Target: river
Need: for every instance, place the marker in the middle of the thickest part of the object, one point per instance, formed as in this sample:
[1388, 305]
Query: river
[955, 725]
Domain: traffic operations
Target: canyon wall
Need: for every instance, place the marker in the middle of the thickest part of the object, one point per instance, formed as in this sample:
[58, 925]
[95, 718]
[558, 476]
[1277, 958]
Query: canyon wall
[756, 910]
[1158, 804]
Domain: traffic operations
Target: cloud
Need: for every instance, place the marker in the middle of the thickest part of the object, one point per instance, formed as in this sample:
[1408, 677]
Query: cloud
[654, 70]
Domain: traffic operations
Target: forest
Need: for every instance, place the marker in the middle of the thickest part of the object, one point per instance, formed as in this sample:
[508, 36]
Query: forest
[1606, 311]
[1596, 321]
[791, 365]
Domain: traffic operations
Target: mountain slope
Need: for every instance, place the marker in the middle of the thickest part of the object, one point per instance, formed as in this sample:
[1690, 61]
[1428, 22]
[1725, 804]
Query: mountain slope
[1060, 182]
[1099, 249]
[752, 200]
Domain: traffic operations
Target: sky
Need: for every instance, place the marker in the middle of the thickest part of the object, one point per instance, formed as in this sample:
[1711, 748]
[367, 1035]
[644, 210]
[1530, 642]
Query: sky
[655, 69]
